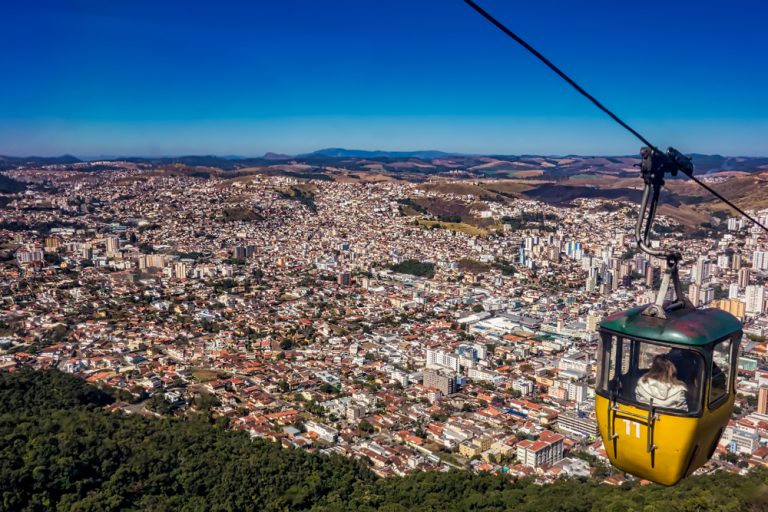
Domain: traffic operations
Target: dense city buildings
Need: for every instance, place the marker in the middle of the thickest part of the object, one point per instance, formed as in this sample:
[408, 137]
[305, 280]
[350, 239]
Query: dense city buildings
[418, 325]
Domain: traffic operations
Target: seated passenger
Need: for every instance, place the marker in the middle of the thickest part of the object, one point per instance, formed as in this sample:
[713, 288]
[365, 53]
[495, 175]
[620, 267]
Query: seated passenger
[661, 384]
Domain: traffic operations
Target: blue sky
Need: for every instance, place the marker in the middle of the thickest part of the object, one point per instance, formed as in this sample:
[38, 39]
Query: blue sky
[147, 77]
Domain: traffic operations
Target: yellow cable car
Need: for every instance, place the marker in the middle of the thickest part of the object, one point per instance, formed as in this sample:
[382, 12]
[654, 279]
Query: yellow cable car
[665, 377]
[664, 434]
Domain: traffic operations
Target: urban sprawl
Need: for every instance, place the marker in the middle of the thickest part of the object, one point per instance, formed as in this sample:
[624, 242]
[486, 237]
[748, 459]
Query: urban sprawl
[332, 316]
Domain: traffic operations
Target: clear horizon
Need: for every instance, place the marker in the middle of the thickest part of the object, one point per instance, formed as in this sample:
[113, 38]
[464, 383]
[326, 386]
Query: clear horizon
[89, 158]
[93, 78]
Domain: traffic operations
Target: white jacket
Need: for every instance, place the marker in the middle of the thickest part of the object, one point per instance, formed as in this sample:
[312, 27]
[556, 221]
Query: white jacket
[663, 394]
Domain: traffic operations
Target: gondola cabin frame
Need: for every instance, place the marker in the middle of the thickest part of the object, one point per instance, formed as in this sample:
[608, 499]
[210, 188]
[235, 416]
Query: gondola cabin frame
[659, 442]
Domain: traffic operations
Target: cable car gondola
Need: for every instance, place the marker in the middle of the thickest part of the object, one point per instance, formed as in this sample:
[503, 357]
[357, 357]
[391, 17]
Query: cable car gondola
[665, 377]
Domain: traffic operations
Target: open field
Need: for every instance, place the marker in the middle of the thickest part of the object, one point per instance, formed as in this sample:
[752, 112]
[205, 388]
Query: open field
[205, 374]
[459, 227]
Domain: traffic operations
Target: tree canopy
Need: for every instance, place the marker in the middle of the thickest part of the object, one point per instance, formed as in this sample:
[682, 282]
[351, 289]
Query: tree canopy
[415, 267]
[61, 450]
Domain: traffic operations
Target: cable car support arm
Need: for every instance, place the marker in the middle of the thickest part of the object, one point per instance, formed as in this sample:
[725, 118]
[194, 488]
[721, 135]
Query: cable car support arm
[654, 166]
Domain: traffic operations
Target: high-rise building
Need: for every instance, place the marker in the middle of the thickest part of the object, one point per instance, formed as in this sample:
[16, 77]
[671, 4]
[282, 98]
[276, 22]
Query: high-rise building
[760, 260]
[755, 299]
[651, 275]
[733, 291]
[447, 384]
[699, 271]
[529, 243]
[155, 260]
[481, 350]
[400, 377]
[354, 413]
[52, 244]
[343, 279]
[745, 276]
[180, 270]
[625, 269]
[694, 294]
[593, 320]
[113, 245]
[438, 358]
[577, 391]
[573, 249]
[29, 255]
[641, 264]
[762, 400]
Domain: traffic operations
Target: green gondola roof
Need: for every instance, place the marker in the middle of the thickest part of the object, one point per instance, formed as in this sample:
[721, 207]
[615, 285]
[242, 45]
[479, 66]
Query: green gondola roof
[693, 327]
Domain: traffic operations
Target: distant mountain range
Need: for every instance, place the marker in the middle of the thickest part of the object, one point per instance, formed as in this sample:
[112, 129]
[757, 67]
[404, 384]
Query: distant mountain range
[553, 179]
[12, 162]
[360, 153]
[413, 164]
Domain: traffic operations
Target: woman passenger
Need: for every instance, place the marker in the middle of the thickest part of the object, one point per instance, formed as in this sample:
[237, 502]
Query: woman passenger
[660, 384]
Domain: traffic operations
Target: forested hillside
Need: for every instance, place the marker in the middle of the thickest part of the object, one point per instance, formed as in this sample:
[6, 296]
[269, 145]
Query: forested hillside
[61, 451]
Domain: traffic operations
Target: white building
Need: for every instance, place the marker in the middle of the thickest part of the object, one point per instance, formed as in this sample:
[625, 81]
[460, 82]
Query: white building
[523, 386]
[760, 260]
[481, 350]
[477, 374]
[324, 432]
[738, 440]
[399, 377]
[577, 391]
[755, 299]
[440, 359]
[547, 449]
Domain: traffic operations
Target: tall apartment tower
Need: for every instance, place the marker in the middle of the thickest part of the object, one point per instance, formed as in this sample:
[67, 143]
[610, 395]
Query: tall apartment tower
[762, 400]
[736, 261]
[651, 275]
[755, 299]
[745, 275]
[694, 294]
[180, 270]
[445, 383]
[760, 260]
[113, 244]
[699, 272]
[343, 279]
